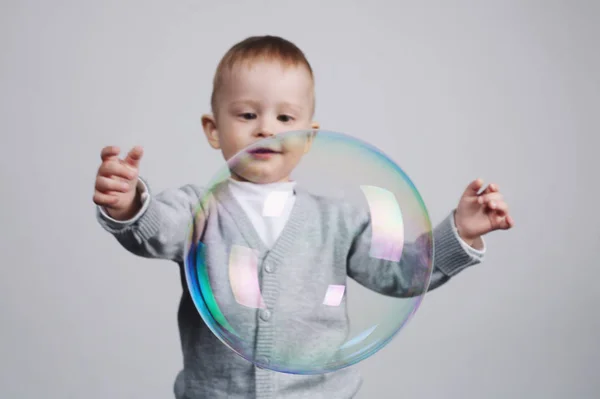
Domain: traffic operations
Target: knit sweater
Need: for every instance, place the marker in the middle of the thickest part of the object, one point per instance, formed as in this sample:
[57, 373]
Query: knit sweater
[324, 241]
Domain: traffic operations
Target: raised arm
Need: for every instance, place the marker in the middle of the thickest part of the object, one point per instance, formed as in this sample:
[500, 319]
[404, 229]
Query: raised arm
[407, 277]
[161, 226]
[153, 227]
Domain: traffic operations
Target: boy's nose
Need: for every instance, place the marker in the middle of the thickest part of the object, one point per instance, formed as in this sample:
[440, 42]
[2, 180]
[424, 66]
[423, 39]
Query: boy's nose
[265, 131]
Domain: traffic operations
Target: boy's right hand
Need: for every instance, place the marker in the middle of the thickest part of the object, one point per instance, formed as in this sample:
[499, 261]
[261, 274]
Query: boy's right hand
[116, 183]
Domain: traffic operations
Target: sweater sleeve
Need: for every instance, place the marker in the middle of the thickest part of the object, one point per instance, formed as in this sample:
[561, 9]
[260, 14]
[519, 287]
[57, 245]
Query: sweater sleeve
[408, 276]
[160, 228]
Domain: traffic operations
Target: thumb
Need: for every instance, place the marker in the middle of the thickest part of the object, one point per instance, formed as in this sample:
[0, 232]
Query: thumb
[134, 156]
[109, 153]
[507, 222]
[503, 222]
[473, 188]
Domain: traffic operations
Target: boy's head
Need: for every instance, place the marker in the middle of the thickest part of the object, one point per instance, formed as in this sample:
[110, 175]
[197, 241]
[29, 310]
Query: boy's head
[263, 86]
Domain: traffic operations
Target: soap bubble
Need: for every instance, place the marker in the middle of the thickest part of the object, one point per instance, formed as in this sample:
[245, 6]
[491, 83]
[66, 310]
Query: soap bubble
[313, 275]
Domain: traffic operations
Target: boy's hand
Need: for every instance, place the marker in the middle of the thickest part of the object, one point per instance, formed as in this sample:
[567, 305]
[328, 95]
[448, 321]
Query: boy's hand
[479, 214]
[116, 183]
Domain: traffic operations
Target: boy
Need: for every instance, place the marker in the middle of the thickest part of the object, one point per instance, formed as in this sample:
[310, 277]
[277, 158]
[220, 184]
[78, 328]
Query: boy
[264, 86]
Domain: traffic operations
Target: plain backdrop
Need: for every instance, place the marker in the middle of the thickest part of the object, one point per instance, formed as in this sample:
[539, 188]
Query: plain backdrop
[506, 90]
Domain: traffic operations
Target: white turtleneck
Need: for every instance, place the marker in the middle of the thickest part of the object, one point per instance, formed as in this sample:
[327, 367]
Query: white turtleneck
[268, 206]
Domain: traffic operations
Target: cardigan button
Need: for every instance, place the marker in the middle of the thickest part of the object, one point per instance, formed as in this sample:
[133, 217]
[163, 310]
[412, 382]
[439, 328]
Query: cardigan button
[265, 314]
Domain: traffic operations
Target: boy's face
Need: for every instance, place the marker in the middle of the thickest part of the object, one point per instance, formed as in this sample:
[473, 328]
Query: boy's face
[258, 101]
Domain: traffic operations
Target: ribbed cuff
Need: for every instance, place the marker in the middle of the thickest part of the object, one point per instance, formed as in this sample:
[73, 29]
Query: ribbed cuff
[450, 254]
[142, 187]
[145, 222]
[475, 252]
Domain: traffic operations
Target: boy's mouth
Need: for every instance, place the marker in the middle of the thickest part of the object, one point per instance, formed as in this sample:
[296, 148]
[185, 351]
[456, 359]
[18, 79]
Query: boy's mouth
[263, 153]
[263, 150]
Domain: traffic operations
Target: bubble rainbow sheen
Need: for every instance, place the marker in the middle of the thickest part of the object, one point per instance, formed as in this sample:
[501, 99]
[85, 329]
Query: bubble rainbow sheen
[314, 326]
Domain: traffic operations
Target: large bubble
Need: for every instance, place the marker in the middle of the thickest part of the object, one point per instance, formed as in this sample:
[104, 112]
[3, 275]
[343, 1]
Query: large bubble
[315, 274]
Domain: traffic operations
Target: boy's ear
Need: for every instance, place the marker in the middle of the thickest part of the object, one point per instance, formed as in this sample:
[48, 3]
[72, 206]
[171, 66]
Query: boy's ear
[210, 130]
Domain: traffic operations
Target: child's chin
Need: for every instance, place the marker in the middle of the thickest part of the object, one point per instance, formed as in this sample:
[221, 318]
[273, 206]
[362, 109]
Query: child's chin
[261, 172]
[262, 176]
[268, 179]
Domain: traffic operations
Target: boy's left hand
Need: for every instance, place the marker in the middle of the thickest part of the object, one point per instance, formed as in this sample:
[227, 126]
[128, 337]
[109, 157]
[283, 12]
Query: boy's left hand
[479, 214]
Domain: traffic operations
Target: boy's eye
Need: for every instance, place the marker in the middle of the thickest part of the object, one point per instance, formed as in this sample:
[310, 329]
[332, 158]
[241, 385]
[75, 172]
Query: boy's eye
[284, 118]
[248, 115]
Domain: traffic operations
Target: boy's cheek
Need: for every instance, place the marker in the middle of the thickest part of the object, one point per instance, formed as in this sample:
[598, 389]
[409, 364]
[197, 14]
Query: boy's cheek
[237, 130]
[303, 124]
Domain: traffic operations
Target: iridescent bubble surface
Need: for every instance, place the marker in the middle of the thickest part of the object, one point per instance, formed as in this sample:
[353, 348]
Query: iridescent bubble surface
[344, 273]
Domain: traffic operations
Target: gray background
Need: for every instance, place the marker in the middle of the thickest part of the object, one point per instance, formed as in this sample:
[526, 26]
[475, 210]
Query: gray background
[505, 90]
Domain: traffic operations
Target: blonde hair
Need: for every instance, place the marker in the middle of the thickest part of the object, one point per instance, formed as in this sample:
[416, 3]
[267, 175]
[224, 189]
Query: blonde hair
[254, 48]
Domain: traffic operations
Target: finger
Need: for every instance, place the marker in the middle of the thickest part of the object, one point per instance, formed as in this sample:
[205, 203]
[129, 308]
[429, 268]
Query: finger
[106, 185]
[102, 199]
[487, 198]
[483, 190]
[473, 187]
[134, 156]
[109, 152]
[499, 222]
[490, 188]
[510, 222]
[118, 169]
[500, 207]
[503, 222]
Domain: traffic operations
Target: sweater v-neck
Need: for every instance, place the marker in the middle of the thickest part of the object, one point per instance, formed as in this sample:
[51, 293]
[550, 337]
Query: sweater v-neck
[290, 232]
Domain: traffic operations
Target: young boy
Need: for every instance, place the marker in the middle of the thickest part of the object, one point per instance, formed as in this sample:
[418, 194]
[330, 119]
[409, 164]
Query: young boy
[264, 86]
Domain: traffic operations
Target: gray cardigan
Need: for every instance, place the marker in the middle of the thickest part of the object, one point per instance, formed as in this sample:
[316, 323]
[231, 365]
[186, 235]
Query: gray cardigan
[320, 232]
